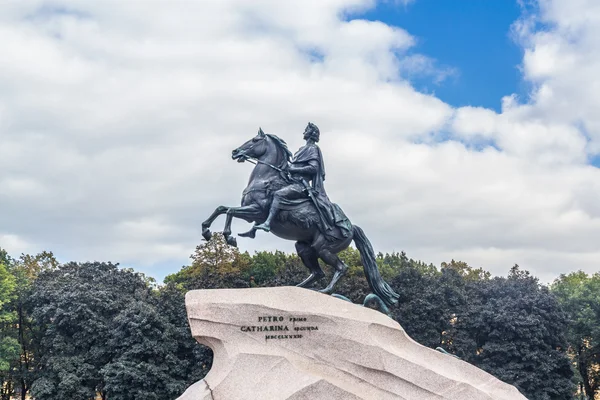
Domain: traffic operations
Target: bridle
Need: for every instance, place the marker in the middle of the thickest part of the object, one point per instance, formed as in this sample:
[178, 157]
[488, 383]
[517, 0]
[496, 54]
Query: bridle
[256, 161]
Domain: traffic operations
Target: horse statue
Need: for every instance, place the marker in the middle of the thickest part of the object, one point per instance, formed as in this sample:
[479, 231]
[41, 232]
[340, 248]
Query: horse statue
[279, 199]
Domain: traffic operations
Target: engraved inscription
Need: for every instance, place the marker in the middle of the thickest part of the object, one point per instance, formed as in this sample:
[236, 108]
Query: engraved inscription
[270, 328]
[306, 328]
[278, 323]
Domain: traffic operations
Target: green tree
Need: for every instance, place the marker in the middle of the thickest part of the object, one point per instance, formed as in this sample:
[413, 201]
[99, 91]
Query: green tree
[391, 264]
[464, 270]
[106, 330]
[514, 328]
[264, 266]
[5, 258]
[143, 344]
[290, 273]
[9, 347]
[579, 294]
[75, 307]
[429, 303]
[215, 264]
[26, 269]
[194, 360]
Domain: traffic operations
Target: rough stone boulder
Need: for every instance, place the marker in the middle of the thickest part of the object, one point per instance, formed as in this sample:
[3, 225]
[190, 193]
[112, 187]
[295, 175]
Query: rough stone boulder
[293, 343]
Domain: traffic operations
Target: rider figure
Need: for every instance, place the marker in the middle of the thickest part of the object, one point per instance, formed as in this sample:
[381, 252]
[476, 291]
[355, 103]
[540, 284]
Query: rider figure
[306, 166]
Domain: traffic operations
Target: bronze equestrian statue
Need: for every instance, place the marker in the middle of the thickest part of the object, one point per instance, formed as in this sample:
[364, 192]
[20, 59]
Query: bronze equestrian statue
[286, 196]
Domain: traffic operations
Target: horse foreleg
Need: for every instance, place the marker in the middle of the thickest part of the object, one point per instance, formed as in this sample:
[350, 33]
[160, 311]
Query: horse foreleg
[206, 224]
[248, 213]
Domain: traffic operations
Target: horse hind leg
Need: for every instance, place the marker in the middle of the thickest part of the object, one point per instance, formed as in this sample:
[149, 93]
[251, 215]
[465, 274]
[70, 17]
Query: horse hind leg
[340, 268]
[310, 259]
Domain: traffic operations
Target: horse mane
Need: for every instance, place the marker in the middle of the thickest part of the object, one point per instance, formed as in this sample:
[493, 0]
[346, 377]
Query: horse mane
[282, 145]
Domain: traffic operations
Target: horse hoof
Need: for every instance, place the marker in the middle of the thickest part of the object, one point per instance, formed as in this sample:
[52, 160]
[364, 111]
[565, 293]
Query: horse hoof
[207, 235]
[232, 241]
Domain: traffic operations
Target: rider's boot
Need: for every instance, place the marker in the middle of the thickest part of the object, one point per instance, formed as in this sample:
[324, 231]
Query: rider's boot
[250, 234]
[266, 226]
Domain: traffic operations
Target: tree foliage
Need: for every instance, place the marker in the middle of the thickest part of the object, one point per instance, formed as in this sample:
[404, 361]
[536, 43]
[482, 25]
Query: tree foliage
[16, 329]
[104, 330]
[215, 264]
[79, 330]
[579, 294]
[515, 329]
[9, 346]
[26, 269]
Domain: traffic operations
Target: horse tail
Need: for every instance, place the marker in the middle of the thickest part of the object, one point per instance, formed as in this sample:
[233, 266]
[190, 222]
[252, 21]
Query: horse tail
[376, 282]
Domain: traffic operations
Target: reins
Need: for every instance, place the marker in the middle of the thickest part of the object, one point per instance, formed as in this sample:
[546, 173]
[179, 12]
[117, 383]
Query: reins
[256, 161]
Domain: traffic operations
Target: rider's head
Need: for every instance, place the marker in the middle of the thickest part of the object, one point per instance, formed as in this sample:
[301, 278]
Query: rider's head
[312, 132]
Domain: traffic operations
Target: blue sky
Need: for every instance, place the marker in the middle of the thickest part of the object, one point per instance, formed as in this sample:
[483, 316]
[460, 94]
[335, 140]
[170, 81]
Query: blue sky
[472, 36]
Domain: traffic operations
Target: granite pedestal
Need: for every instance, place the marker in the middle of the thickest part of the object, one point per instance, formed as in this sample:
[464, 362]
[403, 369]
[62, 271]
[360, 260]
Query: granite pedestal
[293, 343]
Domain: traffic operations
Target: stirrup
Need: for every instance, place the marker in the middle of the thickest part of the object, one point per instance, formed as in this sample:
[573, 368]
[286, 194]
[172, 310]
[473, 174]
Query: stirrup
[263, 227]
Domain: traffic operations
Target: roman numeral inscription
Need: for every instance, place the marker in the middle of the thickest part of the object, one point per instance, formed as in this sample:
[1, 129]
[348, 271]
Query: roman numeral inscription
[280, 328]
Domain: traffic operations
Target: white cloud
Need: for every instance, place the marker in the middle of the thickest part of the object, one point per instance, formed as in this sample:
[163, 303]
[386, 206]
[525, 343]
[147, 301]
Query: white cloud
[561, 59]
[13, 244]
[420, 65]
[117, 123]
[472, 122]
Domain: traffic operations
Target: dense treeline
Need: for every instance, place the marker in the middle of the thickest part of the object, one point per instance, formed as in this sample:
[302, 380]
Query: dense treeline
[82, 331]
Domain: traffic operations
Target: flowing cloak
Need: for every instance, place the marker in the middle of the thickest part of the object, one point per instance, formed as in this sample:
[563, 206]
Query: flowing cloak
[305, 155]
[332, 213]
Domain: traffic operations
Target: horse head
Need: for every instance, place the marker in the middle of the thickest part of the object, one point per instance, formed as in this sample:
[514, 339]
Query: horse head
[264, 147]
[256, 148]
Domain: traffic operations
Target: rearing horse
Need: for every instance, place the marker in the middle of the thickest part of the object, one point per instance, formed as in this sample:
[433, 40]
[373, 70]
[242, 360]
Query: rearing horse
[299, 224]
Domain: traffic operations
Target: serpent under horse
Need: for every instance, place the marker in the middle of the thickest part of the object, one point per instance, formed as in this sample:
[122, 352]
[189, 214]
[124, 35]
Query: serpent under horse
[300, 224]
